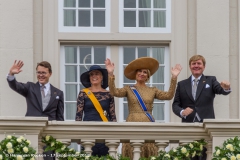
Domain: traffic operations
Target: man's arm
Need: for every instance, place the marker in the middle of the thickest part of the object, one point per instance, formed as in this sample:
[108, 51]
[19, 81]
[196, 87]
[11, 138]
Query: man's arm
[221, 88]
[60, 108]
[176, 106]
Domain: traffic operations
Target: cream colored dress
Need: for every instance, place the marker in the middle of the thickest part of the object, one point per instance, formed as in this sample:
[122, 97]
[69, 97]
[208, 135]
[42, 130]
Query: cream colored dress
[136, 114]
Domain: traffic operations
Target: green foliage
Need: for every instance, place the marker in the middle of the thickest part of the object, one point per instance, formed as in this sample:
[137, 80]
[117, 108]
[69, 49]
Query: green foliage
[230, 150]
[12, 148]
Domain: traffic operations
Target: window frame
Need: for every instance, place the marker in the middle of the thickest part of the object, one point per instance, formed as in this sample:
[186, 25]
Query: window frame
[91, 29]
[151, 29]
[167, 76]
[63, 71]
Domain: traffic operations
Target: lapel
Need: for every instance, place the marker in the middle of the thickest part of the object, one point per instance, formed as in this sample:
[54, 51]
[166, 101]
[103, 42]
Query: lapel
[200, 86]
[38, 94]
[53, 96]
[188, 87]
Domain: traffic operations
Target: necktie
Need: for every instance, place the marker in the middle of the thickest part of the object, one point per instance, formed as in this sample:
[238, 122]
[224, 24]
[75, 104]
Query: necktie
[42, 90]
[194, 88]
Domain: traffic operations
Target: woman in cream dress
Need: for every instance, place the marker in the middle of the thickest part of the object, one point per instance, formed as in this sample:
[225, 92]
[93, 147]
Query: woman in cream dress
[140, 70]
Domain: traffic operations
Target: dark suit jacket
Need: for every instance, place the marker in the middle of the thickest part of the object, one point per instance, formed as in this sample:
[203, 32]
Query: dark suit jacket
[208, 86]
[31, 91]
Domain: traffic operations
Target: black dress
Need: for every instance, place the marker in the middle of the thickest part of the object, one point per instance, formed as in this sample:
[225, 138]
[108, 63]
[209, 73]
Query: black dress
[84, 104]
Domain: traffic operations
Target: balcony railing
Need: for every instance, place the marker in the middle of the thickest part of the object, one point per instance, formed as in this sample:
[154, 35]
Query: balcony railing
[113, 133]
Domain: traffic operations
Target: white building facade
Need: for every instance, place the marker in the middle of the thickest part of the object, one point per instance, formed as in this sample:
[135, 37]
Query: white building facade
[63, 32]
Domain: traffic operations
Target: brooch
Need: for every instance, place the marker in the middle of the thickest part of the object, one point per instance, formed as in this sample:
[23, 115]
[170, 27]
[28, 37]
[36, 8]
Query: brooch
[105, 113]
[89, 93]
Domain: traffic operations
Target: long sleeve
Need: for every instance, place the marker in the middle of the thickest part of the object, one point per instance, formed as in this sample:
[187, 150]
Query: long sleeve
[80, 105]
[112, 113]
[117, 92]
[162, 95]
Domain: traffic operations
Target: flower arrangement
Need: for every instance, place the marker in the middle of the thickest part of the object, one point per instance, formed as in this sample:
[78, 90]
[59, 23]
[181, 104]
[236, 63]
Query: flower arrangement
[229, 151]
[16, 148]
[185, 152]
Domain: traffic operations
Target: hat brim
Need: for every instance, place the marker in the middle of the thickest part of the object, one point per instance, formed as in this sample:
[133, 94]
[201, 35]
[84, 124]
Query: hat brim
[141, 63]
[85, 78]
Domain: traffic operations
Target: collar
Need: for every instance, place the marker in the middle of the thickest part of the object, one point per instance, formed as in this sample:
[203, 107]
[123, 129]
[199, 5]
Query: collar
[192, 78]
[47, 85]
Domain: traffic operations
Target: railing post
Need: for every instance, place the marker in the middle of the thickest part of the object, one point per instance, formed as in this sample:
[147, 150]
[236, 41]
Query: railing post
[209, 150]
[40, 149]
[88, 145]
[161, 144]
[136, 148]
[112, 145]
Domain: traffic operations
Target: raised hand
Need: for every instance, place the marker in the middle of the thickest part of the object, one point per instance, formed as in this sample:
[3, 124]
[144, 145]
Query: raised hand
[16, 67]
[176, 70]
[225, 85]
[109, 66]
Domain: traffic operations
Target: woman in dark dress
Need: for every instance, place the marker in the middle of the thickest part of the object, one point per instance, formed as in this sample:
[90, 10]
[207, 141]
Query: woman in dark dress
[96, 81]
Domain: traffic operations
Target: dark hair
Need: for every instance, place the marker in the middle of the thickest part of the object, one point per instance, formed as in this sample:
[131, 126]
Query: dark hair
[46, 65]
[196, 58]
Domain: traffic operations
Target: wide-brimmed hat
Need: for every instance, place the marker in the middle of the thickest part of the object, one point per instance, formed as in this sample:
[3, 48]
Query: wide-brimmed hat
[85, 77]
[141, 63]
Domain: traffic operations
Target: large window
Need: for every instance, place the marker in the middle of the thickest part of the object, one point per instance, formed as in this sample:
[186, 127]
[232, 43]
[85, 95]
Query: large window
[145, 16]
[84, 15]
[160, 79]
[72, 66]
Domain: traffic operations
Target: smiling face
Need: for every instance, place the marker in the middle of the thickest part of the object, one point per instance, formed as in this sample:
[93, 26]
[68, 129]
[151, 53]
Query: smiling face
[96, 77]
[142, 75]
[197, 67]
[43, 75]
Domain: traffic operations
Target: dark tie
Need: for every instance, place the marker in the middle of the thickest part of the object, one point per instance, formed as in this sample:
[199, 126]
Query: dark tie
[194, 88]
[42, 90]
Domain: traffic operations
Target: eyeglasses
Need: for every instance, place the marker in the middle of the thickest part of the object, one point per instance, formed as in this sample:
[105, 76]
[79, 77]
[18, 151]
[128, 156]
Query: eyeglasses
[41, 73]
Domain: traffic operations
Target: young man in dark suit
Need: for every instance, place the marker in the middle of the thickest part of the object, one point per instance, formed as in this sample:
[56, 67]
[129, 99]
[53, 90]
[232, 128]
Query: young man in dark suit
[194, 97]
[43, 99]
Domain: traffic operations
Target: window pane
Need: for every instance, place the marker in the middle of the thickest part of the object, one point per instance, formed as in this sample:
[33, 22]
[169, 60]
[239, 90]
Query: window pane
[71, 110]
[143, 52]
[129, 3]
[158, 53]
[84, 18]
[159, 4]
[158, 76]
[125, 111]
[159, 18]
[71, 92]
[99, 55]
[129, 18]
[84, 3]
[70, 55]
[84, 51]
[71, 73]
[158, 111]
[99, 18]
[98, 3]
[144, 3]
[69, 18]
[144, 19]
[69, 3]
[128, 54]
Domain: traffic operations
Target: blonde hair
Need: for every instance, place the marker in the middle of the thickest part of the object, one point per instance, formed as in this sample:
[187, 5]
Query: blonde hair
[196, 58]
